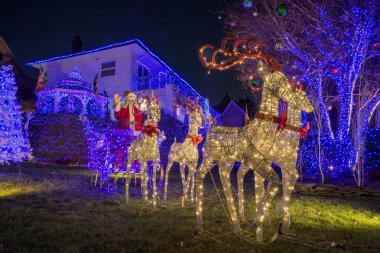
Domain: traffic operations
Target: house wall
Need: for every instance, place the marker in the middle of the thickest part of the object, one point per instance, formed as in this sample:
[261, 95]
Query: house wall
[126, 60]
[91, 64]
[232, 117]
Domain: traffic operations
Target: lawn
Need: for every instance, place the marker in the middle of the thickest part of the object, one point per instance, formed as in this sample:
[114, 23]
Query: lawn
[46, 208]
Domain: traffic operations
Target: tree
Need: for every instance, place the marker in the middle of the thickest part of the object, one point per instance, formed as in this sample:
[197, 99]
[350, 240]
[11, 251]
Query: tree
[332, 47]
[225, 100]
[251, 103]
[14, 143]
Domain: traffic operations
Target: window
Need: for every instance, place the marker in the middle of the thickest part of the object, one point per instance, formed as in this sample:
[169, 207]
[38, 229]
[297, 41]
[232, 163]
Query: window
[108, 68]
[142, 70]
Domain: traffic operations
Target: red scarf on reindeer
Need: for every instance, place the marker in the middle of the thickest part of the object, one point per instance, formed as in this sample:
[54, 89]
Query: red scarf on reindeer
[195, 139]
[150, 130]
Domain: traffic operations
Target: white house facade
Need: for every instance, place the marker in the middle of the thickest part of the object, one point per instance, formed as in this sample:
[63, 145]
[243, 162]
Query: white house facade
[128, 65]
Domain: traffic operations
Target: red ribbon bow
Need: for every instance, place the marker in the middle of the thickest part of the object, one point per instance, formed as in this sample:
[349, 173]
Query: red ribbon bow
[150, 130]
[283, 119]
[196, 139]
[303, 130]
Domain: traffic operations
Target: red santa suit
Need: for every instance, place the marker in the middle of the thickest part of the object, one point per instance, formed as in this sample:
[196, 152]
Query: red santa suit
[130, 121]
[128, 116]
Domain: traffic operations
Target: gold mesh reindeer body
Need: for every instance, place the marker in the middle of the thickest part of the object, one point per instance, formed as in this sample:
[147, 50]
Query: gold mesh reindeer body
[145, 148]
[186, 152]
[285, 154]
[252, 144]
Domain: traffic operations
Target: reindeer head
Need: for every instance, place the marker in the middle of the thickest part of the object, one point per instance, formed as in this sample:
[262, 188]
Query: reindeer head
[153, 109]
[193, 109]
[300, 101]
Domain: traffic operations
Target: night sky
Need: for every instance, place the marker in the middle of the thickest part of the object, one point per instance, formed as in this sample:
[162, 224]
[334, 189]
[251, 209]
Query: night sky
[173, 30]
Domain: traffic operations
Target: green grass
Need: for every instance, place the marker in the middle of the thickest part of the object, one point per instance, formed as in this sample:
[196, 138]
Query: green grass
[45, 208]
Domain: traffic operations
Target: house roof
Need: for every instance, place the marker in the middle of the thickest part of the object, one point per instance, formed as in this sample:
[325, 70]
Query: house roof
[121, 44]
[115, 45]
[233, 103]
[223, 108]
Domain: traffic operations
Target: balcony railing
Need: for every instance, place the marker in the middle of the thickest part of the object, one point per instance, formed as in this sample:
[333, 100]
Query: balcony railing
[155, 81]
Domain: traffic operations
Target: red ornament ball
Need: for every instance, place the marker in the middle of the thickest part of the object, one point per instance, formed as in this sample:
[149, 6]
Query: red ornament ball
[334, 70]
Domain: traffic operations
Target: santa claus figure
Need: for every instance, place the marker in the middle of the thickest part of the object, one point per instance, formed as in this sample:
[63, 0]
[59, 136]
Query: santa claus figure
[128, 114]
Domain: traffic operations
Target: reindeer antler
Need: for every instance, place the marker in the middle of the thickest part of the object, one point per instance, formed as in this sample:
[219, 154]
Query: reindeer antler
[240, 52]
[138, 97]
[295, 84]
[192, 106]
[154, 97]
[175, 105]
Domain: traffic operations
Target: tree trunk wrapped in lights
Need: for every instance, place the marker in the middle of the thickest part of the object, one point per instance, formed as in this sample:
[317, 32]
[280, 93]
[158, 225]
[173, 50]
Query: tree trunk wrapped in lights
[259, 143]
[186, 152]
[145, 148]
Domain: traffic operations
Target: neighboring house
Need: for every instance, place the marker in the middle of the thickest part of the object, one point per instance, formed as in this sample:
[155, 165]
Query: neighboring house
[128, 65]
[232, 115]
[25, 92]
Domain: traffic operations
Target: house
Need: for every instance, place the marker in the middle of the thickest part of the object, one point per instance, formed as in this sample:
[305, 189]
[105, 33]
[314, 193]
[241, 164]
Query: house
[128, 65]
[25, 93]
[71, 117]
[232, 115]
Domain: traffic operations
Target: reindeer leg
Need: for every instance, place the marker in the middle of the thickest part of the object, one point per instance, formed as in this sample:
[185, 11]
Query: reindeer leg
[225, 172]
[192, 186]
[241, 173]
[168, 168]
[289, 180]
[182, 168]
[154, 178]
[205, 168]
[162, 174]
[144, 180]
[127, 180]
[96, 178]
[259, 191]
[189, 177]
[263, 209]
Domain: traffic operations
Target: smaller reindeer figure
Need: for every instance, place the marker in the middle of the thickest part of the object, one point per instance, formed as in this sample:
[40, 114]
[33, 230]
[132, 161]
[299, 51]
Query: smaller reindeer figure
[186, 152]
[145, 148]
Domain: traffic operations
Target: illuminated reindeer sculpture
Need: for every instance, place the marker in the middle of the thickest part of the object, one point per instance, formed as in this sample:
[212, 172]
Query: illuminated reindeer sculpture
[145, 148]
[253, 143]
[186, 152]
[284, 152]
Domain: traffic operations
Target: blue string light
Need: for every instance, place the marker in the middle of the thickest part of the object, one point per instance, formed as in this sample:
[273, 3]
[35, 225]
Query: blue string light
[14, 143]
[341, 71]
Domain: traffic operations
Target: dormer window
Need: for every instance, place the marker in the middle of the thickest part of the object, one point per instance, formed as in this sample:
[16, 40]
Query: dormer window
[108, 68]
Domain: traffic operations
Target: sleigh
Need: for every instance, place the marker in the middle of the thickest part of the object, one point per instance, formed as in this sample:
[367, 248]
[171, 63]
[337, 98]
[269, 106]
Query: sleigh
[109, 157]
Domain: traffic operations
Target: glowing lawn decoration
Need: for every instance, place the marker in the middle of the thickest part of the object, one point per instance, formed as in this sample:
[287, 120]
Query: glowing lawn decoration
[145, 148]
[285, 154]
[186, 152]
[251, 145]
[14, 143]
